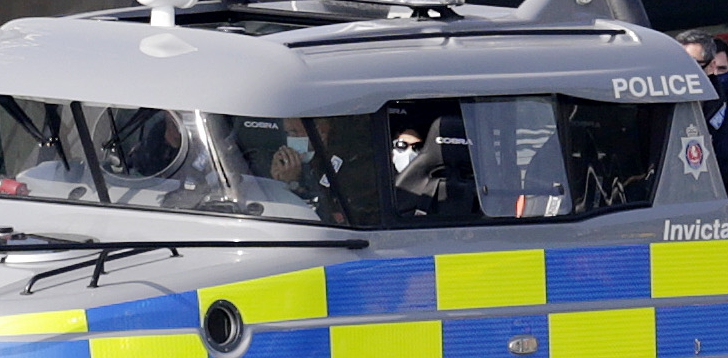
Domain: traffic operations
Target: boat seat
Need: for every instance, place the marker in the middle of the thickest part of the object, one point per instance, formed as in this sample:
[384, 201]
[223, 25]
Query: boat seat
[440, 179]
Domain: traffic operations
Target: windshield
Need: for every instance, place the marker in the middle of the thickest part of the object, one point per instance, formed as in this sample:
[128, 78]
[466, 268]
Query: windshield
[456, 159]
[182, 160]
[523, 156]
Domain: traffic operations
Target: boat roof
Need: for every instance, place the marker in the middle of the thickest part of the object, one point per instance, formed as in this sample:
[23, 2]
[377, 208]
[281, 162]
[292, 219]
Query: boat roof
[344, 68]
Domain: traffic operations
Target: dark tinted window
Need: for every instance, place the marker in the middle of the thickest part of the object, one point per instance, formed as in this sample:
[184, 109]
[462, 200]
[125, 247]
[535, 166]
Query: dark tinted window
[524, 156]
[613, 151]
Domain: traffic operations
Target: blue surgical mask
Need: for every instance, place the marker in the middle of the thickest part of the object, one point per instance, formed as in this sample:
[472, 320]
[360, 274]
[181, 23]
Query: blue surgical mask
[723, 79]
[300, 145]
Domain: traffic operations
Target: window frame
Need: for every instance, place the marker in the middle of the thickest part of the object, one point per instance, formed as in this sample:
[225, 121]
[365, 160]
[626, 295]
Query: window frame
[654, 112]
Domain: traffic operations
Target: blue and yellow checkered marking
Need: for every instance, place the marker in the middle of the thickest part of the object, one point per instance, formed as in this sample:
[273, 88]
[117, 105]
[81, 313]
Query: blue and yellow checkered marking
[426, 284]
[603, 273]
[678, 327]
[71, 321]
[310, 343]
[164, 312]
[285, 297]
[381, 286]
[75, 349]
[692, 268]
[390, 340]
[182, 346]
[487, 337]
[490, 279]
[615, 333]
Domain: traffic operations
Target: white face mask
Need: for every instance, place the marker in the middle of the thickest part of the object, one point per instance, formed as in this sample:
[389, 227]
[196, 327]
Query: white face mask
[300, 145]
[402, 158]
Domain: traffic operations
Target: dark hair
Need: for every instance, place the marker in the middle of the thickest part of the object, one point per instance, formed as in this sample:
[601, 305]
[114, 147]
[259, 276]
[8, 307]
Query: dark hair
[701, 38]
[720, 46]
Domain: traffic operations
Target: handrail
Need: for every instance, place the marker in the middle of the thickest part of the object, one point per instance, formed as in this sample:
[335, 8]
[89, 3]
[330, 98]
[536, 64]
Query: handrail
[449, 34]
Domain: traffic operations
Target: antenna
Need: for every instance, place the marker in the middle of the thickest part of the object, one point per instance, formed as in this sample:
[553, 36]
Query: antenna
[163, 10]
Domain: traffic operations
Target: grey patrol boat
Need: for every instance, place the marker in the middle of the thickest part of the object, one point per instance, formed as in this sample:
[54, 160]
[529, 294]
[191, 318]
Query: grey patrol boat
[216, 179]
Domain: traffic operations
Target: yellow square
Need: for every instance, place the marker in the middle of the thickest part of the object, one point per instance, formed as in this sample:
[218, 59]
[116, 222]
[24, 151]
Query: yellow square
[289, 296]
[393, 340]
[603, 334]
[492, 279]
[182, 346]
[44, 323]
[689, 268]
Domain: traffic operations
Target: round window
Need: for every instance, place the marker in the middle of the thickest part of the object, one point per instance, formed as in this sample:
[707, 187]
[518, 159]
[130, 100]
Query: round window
[140, 145]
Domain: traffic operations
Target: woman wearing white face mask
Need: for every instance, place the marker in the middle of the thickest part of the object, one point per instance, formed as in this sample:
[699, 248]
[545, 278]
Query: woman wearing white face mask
[405, 148]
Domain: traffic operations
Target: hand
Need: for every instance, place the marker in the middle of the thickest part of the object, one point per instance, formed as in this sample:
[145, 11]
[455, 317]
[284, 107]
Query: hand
[286, 165]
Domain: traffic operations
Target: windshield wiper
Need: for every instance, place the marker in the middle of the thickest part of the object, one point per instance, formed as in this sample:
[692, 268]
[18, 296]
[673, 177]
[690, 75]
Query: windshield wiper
[352, 244]
[136, 248]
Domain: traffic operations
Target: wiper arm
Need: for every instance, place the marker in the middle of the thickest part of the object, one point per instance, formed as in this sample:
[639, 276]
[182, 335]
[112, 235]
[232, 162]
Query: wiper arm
[352, 244]
[136, 248]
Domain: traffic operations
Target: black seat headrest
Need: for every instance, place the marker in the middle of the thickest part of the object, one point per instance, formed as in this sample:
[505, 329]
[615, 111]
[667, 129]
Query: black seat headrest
[258, 139]
[440, 179]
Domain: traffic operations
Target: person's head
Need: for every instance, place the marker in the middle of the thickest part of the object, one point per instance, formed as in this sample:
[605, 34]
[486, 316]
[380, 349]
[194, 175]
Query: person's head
[721, 56]
[406, 146]
[721, 62]
[700, 46]
[297, 137]
[171, 133]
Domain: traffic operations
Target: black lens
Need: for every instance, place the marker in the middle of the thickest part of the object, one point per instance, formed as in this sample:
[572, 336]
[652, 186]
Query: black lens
[400, 144]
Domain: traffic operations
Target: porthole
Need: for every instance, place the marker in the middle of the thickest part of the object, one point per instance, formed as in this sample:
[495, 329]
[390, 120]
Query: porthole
[223, 327]
[139, 147]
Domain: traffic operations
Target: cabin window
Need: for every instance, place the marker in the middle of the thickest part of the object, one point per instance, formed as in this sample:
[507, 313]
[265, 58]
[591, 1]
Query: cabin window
[613, 151]
[140, 143]
[516, 149]
[191, 161]
[433, 174]
[523, 156]
[17, 143]
[324, 165]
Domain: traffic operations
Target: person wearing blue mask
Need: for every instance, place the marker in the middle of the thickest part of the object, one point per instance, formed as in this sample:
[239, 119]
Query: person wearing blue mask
[290, 161]
[302, 169]
[721, 63]
[321, 163]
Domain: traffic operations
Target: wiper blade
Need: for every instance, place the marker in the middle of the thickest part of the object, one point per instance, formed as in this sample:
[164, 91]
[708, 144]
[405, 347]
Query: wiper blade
[352, 244]
[136, 248]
